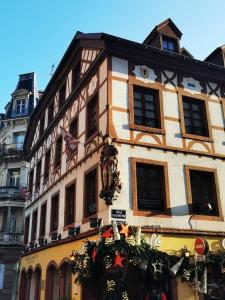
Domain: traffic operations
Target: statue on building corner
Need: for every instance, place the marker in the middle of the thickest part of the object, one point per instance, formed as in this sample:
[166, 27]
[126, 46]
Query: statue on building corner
[110, 176]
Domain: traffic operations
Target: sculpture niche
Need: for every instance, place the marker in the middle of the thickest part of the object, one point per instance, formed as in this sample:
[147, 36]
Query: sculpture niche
[110, 175]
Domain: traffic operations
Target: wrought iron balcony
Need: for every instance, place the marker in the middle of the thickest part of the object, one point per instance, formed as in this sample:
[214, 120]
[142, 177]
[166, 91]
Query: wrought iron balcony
[11, 236]
[11, 193]
[11, 152]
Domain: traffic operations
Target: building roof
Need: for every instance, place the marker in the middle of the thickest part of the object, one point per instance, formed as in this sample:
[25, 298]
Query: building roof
[27, 82]
[159, 26]
[122, 48]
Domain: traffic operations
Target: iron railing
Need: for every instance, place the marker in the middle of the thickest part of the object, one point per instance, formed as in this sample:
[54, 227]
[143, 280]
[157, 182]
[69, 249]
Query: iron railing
[12, 192]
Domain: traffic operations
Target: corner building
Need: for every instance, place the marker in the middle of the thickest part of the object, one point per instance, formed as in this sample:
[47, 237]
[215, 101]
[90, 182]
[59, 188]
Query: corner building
[13, 177]
[165, 111]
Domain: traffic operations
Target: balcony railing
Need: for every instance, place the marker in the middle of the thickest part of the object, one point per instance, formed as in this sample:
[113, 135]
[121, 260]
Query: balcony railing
[11, 236]
[11, 192]
[14, 150]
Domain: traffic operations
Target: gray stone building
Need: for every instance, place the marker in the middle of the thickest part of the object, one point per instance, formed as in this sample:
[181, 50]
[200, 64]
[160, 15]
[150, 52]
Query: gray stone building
[13, 180]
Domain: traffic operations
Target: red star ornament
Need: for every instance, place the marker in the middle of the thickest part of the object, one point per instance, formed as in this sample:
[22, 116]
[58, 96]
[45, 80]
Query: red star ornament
[93, 254]
[118, 260]
[124, 230]
[108, 233]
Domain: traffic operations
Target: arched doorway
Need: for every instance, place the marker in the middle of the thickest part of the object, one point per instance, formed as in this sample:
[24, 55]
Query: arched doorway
[52, 283]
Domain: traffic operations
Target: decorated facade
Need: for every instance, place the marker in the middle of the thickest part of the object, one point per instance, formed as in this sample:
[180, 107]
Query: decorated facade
[126, 155]
[13, 180]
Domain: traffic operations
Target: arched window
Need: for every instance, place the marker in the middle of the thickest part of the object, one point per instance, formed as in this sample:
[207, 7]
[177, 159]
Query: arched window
[65, 281]
[52, 283]
[28, 284]
[22, 289]
[37, 288]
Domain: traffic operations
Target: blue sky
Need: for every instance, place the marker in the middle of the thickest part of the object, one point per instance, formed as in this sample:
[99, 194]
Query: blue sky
[35, 33]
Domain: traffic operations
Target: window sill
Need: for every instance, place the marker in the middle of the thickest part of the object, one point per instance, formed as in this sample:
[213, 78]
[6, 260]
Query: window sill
[91, 138]
[87, 219]
[206, 218]
[197, 137]
[147, 129]
[145, 213]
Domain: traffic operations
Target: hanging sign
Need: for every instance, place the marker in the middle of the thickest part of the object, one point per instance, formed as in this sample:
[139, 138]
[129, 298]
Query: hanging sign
[201, 246]
[2, 272]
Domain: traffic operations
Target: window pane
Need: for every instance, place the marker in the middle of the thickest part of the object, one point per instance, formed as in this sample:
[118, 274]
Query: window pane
[195, 117]
[204, 200]
[90, 193]
[150, 187]
[146, 107]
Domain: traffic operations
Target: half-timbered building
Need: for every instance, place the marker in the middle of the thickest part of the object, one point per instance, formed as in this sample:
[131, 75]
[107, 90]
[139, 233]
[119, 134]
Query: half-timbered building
[164, 110]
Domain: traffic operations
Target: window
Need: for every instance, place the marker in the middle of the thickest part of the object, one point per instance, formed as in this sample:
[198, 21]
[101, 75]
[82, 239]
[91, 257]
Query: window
[90, 193]
[73, 128]
[20, 106]
[50, 112]
[34, 226]
[54, 213]
[146, 107]
[18, 139]
[26, 229]
[169, 44]
[43, 220]
[203, 193]
[31, 180]
[62, 95]
[195, 119]
[52, 283]
[38, 175]
[65, 279]
[76, 75]
[150, 187]
[69, 205]
[42, 126]
[47, 164]
[92, 125]
[14, 177]
[58, 153]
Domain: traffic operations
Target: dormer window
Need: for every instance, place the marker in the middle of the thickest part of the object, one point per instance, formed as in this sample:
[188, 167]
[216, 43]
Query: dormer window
[20, 106]
[169, 44]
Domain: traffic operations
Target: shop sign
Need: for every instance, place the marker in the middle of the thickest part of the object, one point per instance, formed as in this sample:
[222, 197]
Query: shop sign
[201, 246]
[2, 273]
[118, 213]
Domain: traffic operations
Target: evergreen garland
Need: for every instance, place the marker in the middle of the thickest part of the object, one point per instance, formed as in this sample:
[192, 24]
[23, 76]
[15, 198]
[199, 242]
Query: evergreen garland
[96, 259]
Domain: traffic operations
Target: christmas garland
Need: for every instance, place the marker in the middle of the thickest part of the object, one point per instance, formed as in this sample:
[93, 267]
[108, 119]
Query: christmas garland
[121, 247]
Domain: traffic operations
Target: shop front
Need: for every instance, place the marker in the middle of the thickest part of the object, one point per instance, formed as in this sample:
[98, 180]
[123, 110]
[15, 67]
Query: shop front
[123, 263]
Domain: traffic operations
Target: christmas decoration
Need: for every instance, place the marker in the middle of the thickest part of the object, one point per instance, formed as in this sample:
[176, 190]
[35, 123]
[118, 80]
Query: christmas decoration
[122, 248]
[108, 233]
[116, 234]
[124, 230]
[176, 267]
[93, 254]
[118, 260]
